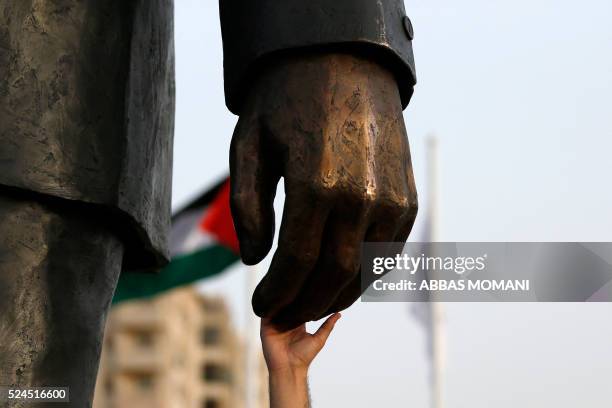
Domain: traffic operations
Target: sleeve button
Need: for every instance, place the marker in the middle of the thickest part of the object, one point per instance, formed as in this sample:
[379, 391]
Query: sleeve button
[408, 27]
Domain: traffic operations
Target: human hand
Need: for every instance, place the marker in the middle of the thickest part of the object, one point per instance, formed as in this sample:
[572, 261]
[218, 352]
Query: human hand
[331, 125]
[292, 351]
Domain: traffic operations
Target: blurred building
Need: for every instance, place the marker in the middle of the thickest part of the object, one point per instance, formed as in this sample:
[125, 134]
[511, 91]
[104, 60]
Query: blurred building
[175, 350]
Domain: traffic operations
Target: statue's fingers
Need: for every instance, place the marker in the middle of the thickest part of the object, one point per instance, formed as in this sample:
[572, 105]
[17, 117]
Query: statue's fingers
[346, 298]
[337, 266]
[304, 219]
[383, 230]
[253, 181]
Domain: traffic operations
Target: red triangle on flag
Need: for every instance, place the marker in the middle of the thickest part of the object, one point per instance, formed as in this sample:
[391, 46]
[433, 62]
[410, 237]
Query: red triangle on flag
[218, 222]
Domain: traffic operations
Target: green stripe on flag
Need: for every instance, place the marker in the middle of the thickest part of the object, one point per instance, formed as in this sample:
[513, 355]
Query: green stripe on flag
[182, 270]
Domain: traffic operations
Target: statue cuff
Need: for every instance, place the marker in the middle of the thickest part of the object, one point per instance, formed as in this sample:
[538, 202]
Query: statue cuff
[256, 29]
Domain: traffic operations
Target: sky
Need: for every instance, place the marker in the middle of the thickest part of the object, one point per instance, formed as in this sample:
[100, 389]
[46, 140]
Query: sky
[519, 96]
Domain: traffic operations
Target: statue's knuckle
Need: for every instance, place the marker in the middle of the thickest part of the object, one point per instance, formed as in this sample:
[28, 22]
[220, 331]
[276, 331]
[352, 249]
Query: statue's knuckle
[405, 206]
[413, 207]
[402, 205]
[359, 199]
[407, 209]
[370, 199]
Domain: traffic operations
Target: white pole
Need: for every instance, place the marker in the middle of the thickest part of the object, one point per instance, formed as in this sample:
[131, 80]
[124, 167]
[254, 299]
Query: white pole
[437, 338]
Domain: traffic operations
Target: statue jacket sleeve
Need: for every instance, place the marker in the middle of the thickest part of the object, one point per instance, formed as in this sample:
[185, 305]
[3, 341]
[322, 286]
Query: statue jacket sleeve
[255, 30]
[87, 94]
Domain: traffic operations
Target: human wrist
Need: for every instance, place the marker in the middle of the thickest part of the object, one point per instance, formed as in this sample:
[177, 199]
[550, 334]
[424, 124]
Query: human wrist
[288, 374]
[289, 388]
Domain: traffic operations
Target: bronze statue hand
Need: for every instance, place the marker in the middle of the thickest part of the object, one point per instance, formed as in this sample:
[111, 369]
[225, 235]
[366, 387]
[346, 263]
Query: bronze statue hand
[332, 126]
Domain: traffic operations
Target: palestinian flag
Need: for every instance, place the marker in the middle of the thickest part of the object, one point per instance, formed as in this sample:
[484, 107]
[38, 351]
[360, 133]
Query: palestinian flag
[203, 243]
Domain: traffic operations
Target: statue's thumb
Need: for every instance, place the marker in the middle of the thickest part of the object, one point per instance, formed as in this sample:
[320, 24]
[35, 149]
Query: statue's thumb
[253, 212]
[252, 190]
[254, 225]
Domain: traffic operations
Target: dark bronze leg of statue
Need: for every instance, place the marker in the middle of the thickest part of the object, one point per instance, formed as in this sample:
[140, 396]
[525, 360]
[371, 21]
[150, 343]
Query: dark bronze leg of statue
[58, 271]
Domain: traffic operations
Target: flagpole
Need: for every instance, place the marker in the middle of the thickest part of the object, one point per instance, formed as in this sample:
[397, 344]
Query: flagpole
[437, 338]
